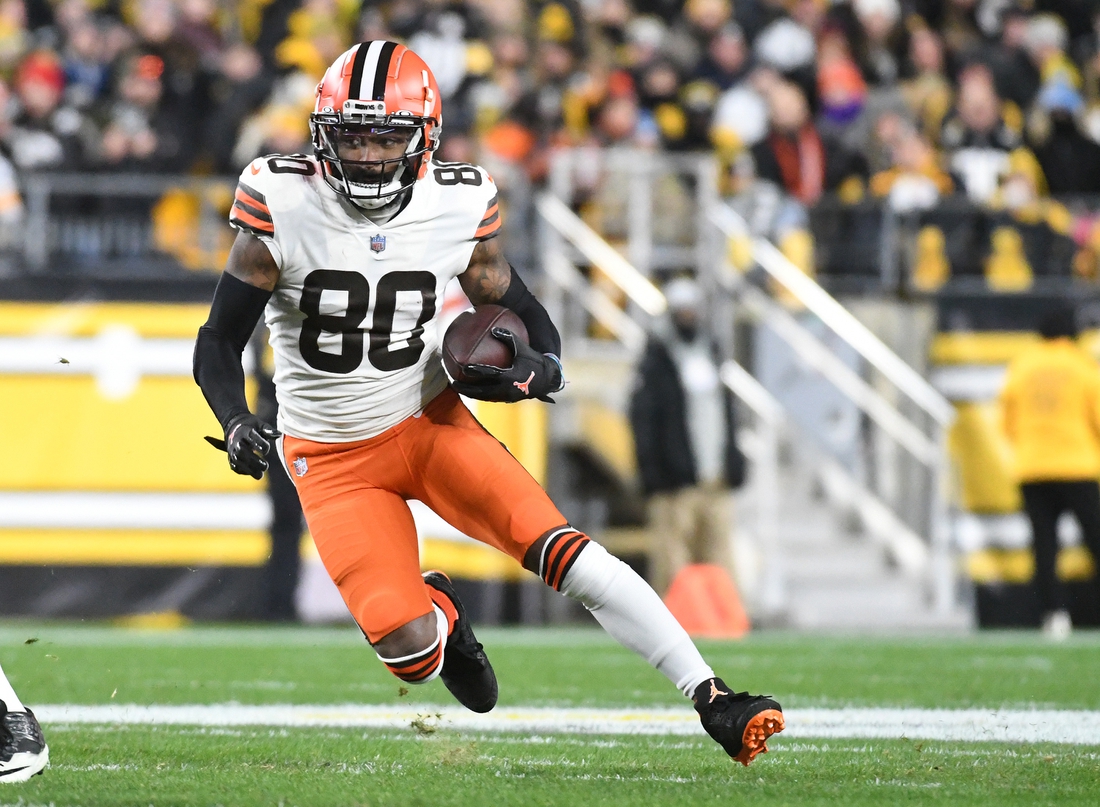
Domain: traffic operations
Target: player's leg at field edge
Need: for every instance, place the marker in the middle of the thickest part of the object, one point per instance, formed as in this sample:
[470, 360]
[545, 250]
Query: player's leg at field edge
[412, 637]
[23, 749]
[621, 601]
[414, 651]
[632, 613]
[7, 694]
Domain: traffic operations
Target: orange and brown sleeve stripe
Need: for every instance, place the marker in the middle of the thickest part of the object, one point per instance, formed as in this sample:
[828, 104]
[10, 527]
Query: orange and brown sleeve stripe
[250, 211]
[490, 222]
[559, 554]
[418, 668]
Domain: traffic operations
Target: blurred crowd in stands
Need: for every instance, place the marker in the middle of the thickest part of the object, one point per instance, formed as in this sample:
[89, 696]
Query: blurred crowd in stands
[996, 102]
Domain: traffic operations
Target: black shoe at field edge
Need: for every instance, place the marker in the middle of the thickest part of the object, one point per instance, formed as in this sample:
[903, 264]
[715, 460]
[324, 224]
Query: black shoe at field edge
[23, 749]
[739, 722]
[466, 671]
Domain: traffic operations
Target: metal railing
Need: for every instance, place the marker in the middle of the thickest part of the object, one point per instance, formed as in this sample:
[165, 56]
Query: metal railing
[142, 225]
[929, 450]
[837, 318]
[762, 445]
[100, 222]
[762, 448]
[568, 242]
[572, 228]
[872, 247]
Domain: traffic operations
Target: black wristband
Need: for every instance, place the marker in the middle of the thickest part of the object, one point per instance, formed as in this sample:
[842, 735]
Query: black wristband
[234, 313]
[541, 333]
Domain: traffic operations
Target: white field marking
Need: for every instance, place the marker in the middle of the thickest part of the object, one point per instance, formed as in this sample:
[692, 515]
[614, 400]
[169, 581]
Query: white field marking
[14, 633]
[1051, 726]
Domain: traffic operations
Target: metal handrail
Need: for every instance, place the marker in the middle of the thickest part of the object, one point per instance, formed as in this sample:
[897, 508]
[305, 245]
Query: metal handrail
[862, 394]
[882, 524]
[754, 394]
[633, 283]
[632, 335]
[602, 308]
[110, 184]
[930, 451]
[771, 421]
[908, 550]
[572, 228]
[650, 298]
[40, 187]
[838, 318]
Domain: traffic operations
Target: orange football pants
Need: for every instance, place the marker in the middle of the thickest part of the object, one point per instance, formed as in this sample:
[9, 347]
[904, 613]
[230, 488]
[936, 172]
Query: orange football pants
[354, 497]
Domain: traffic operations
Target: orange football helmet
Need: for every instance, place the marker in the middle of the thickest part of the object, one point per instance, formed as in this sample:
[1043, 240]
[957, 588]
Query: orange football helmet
[376, 88]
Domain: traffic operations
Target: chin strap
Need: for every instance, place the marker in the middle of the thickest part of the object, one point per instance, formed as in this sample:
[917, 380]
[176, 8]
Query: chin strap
[383, 213]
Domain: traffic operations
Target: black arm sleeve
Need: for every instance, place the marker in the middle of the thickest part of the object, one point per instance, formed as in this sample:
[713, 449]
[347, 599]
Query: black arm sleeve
[541, 333]
[236, 309]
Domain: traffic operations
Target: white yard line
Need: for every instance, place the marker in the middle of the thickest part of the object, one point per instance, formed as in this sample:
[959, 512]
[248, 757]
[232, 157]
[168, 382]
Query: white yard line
[1057, 726]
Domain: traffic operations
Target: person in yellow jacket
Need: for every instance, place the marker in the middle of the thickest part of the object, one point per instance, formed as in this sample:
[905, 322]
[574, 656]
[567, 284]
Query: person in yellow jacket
[1051, 403]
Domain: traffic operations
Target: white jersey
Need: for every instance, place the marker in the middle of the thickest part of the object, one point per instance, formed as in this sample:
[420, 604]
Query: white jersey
[353, 318]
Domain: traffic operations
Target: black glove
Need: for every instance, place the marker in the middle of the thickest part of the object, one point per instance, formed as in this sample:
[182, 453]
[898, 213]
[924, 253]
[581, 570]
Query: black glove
[247, 440]
[532, 375]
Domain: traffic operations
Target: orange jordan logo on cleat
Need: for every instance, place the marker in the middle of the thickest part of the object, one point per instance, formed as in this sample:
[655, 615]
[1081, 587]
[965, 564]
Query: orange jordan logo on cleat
[525, 384]
[715, 692]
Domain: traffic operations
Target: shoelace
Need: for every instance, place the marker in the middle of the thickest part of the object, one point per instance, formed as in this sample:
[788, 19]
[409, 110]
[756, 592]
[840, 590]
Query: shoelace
[470, 650]
[724, 703]
[463, 643]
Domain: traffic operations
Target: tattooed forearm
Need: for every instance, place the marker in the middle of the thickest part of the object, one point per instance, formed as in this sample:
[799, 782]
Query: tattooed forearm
[487, 275]
[251, 261]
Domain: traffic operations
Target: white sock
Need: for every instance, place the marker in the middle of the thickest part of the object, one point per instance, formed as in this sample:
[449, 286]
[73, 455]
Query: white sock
[8, 696]
[629, 610]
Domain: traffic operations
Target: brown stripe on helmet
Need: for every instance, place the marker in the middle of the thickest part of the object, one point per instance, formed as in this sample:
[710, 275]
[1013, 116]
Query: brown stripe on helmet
[382, 73]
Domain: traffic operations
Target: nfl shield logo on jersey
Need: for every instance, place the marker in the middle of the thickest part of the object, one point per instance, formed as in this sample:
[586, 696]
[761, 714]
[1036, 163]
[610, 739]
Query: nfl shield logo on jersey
[377, 243]
[301, 466]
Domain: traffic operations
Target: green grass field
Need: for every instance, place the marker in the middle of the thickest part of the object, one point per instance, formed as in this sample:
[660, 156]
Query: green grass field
[436, 765]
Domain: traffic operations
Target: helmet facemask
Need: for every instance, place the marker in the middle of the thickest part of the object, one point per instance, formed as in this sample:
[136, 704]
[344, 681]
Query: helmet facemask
[340, 144]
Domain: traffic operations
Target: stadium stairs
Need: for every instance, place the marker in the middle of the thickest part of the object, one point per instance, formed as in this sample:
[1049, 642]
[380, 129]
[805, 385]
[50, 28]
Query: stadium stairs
[834, 574]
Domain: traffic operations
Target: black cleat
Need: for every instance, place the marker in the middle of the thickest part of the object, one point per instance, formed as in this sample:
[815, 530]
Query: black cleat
[739, 722]
[23, 749]
[466, 671]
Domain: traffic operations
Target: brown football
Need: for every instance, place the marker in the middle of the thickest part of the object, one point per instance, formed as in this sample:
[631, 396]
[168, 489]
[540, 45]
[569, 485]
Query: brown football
[470, 340]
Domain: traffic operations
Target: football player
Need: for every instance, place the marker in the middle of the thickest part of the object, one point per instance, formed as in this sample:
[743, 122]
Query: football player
[23, 749]
[347, 252]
